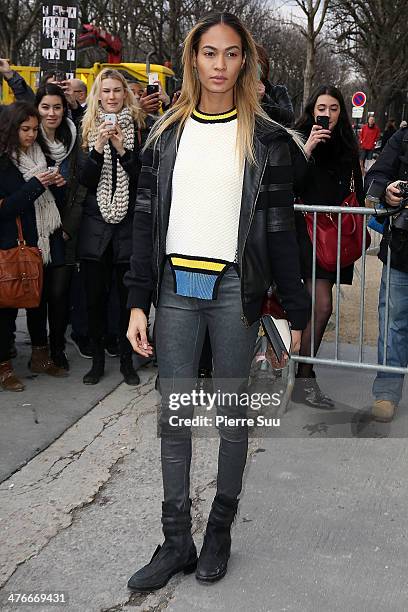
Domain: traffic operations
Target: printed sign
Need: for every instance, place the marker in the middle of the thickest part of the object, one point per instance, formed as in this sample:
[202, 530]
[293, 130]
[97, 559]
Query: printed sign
[59, 38]
[359, 98]
[357, 112]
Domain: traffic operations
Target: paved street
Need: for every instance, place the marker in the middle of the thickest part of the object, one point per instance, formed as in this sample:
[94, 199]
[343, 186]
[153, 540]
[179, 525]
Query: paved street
[321, 525]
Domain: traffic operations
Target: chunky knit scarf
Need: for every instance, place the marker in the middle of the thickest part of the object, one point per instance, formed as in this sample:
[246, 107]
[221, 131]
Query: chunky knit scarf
[58, 151]
[46, 212]
[114, 205]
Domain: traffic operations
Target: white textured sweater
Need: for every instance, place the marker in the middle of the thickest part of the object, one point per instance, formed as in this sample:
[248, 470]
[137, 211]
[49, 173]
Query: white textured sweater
[206, 189]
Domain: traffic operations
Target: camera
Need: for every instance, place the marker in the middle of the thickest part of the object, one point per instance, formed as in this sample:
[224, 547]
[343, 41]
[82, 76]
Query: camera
[403, 189]
[401, 220]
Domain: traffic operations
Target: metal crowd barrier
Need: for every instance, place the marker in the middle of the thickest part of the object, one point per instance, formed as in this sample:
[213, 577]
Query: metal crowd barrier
[336, 361]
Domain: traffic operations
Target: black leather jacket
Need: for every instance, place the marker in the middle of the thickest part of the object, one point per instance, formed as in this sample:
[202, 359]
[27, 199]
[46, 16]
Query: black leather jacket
[267, 246]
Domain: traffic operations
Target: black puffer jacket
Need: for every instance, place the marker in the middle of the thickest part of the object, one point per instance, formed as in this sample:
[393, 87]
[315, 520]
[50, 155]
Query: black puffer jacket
[95, 233]
[267, 246]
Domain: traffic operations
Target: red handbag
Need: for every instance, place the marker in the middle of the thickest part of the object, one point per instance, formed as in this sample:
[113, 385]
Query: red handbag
[351, 245]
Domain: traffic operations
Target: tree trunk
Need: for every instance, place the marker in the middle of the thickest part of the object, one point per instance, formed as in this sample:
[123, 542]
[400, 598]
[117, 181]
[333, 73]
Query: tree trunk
[309, 69]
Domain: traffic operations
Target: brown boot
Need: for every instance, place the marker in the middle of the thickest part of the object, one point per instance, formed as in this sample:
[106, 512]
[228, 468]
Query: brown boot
[41, 363]
[8, 380]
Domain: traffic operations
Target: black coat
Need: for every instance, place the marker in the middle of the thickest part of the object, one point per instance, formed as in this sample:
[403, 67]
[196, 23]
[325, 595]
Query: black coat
[392, 165]
[69, 201]
[326, 182]
[277, 104]
[18, 200]
[95, 233]
[267, 249]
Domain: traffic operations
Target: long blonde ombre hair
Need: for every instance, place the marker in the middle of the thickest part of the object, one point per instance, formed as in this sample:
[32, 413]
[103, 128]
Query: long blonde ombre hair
[90, 119]
[245, 90]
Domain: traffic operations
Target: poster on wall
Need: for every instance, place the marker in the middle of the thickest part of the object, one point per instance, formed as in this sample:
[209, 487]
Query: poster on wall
[59, 38]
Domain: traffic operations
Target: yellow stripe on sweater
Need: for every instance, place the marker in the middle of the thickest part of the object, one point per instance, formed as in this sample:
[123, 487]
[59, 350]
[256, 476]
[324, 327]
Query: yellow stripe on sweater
[215, 117]
[198, 264]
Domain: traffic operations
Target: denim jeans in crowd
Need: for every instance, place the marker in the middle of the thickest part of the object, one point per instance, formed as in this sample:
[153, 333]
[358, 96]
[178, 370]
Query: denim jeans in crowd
[181, 323]
[388, 386]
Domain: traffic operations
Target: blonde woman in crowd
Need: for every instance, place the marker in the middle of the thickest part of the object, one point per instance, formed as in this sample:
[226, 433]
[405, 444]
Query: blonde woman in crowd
[111, 137]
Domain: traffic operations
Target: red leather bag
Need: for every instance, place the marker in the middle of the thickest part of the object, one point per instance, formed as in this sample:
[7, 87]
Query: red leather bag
[21, 274]
[351, 245]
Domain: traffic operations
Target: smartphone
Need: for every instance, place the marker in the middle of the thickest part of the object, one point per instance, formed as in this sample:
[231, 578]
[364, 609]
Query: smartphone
[323, 121]
[152, 89]
[52, 169]
[110, 117]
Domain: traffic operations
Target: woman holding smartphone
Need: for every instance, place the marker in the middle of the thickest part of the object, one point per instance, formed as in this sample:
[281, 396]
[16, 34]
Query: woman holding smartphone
[59, 134]
[25, 192]
[214, 226]
[332, 173]
[111, 134]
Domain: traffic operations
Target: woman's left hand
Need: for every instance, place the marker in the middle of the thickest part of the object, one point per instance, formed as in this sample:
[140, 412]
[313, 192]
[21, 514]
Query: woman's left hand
[273, 360]
[117, 140]
[296, 339]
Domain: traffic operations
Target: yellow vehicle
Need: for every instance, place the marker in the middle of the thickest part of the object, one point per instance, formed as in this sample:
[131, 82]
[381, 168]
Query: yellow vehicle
[87, 75]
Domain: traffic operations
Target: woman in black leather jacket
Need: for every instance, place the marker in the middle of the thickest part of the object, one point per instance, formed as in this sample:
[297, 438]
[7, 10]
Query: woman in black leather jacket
[213, 228]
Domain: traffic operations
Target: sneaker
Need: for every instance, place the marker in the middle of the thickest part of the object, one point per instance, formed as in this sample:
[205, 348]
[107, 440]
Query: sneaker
[82, 344]
[112, 346]
[383, 410]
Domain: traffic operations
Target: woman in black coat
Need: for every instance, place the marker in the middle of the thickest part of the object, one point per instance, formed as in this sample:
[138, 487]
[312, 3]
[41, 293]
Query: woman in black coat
[112, 136]
[24, 193]
[60, 136]
[332, 169]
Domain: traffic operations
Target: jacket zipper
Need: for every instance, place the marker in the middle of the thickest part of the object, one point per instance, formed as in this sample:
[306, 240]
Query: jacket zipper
[158, 231]
[158, 220]
[243, 317]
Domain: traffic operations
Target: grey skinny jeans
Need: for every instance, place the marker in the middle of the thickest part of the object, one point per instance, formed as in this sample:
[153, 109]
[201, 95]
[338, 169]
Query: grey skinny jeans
[181, 323]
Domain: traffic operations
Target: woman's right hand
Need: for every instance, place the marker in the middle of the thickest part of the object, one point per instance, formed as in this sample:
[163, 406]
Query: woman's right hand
[46, 178]
[393, 195]
[317, 135]
[137, 333]
[105, 131]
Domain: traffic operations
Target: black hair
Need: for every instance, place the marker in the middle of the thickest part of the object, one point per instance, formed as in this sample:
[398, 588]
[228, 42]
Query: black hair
[11, 118]
[62, 133]
[343, 130]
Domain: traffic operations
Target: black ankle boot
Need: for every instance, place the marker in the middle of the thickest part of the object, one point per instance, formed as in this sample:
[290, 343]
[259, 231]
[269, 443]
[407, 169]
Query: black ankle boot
[308, 392]
[177, 554]
[129, 373]
[98, 363]
[216, 550]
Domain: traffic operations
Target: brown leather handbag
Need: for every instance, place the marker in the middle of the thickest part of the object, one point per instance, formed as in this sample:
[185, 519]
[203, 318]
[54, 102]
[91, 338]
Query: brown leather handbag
[21, 274]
